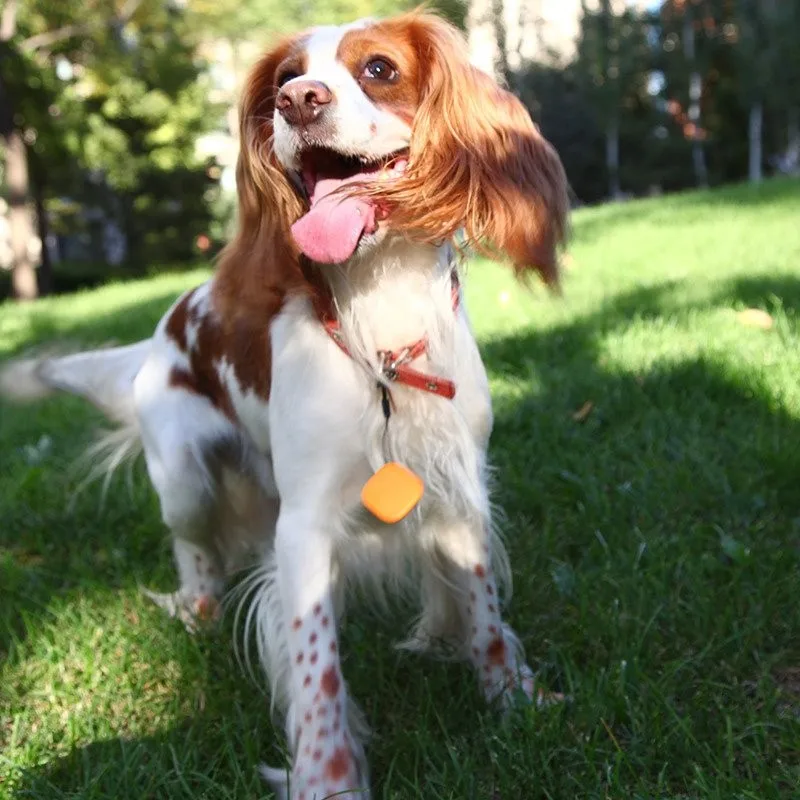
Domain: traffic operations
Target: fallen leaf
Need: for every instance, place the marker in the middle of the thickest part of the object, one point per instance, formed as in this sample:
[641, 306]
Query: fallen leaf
[788, 681]
[755, 318]
[583, 412]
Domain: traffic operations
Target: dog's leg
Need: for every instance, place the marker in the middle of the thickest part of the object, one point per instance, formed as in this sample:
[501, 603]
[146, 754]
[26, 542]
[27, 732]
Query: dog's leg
[327, 757]
[462, 582]
[202, 583]
[188, 505]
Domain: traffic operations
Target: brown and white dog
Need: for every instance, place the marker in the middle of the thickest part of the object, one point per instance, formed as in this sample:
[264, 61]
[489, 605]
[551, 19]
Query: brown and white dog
[331, 339]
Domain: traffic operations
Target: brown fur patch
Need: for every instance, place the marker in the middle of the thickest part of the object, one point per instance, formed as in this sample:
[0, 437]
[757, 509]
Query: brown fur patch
[244, 346]
[176, 324]
[338, 764]
[399, 96]
[330, 681]
[496, 651]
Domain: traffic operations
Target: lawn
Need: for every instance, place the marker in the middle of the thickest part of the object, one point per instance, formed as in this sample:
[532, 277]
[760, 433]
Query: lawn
[648, 446]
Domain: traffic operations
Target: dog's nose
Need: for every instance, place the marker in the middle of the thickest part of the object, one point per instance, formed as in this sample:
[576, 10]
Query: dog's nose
[301, 102]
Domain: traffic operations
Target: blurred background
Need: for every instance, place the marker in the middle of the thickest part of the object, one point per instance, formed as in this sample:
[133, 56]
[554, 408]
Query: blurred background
[118, 117]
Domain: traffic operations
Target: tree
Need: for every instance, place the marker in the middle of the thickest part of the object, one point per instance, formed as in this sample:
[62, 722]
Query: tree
[612, 60]
[25, 57]
[102, 103]
[784, 78]
[756, 20]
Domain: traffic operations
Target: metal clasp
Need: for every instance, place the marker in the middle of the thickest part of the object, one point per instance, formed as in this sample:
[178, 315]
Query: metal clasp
[389, 365]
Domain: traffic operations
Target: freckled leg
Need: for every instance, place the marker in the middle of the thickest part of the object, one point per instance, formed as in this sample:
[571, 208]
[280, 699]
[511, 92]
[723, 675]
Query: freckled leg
[490, 645]
[188, 508]
[327, 758]
[202, 584]
[495, 652]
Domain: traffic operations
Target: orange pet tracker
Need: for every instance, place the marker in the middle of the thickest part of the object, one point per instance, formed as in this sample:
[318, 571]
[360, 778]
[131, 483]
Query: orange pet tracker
[392, 492]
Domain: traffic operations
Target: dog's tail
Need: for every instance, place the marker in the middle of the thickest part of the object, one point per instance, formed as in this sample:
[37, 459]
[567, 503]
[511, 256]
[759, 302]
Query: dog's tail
[104, 378]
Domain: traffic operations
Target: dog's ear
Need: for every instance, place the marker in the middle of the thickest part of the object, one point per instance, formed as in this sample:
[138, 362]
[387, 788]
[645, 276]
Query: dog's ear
[477, 162]
[261, 257]
[266, 197]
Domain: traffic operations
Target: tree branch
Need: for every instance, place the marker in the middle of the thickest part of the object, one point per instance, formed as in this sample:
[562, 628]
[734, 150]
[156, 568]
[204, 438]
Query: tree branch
[49, 38]
[41, 41]
[8, 21]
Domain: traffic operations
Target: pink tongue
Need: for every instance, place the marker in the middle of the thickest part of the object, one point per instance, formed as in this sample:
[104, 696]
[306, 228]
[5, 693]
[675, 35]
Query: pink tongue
[329, 232]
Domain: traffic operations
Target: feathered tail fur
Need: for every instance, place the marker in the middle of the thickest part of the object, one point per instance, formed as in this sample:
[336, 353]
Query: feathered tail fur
[104, 378]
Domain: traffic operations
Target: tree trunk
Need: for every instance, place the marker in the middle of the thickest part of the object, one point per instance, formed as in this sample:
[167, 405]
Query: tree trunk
[699, 161]
[612, 157]
[695, 97]
[756, 120]
[498, 21]
[484, 50]
[45, 277]
[793, 143]
[20, 219]
[20, 213]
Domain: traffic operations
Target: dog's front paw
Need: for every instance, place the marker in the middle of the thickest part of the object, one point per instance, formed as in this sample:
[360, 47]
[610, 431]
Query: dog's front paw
[194, 611]
[517, 687]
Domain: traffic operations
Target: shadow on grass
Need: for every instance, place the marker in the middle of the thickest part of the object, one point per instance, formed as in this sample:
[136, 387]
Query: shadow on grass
[765, 292]
[660, 531]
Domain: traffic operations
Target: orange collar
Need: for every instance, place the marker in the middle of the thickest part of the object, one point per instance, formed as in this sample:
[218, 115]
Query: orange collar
[395, 364]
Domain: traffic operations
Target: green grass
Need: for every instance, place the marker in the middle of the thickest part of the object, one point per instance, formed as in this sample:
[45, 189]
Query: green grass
[655, 545]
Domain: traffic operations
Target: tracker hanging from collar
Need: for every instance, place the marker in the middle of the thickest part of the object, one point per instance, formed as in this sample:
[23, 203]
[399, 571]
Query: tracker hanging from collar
[394, 490]
[392, 493]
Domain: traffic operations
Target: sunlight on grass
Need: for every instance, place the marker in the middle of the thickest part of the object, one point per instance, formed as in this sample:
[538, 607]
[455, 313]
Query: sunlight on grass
[57, 317]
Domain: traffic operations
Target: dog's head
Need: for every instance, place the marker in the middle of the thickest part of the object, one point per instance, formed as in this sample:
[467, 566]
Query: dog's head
[350, 132]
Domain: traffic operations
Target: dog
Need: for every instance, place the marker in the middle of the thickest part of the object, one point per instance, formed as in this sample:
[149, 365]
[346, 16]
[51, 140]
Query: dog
[320, 405]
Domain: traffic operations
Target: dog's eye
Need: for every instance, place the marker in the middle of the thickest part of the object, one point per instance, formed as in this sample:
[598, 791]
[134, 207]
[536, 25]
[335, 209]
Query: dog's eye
[379, 69]
[287, 76]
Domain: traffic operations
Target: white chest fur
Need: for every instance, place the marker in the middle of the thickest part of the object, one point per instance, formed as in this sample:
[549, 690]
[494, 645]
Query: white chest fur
[326, 425]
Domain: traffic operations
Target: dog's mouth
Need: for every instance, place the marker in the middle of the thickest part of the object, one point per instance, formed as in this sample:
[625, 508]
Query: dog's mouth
[330, 231]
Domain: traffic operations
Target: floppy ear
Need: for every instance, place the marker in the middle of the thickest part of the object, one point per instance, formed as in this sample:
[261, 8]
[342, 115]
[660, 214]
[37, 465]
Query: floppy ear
[261, 263]
[478, 162]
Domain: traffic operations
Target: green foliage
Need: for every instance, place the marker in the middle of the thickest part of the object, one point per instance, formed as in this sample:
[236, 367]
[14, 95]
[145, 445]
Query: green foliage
[112, 113]
[744, 51]
[613, 57]
[262, 19]
[606, 84]
[568, 120]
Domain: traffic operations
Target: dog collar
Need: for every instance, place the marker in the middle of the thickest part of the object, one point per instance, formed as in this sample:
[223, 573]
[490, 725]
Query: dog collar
[395, 364]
